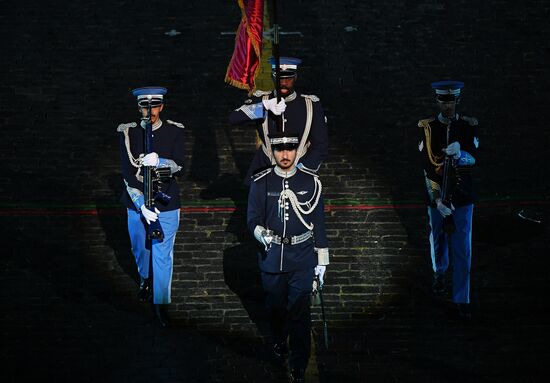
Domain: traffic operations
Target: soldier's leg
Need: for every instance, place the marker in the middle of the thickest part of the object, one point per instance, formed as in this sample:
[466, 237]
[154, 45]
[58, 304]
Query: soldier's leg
[438, 242]
[299, 328]
[163, 257]
[276, 290]
[138, 236]
[461, 243]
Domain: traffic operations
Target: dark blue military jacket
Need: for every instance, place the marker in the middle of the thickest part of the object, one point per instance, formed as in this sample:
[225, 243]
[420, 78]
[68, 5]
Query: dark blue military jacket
[167, 143]
[463, 130]
[264, 210]
[295, 121]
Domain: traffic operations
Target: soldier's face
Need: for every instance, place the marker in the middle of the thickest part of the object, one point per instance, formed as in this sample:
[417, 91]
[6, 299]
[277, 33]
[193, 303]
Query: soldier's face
[287, 85]
[447, 108]
[285, 158]
[155, 112]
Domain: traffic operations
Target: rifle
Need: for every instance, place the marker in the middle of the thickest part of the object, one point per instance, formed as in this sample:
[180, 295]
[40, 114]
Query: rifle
[318, 293]
[449, 171]
[152, 176]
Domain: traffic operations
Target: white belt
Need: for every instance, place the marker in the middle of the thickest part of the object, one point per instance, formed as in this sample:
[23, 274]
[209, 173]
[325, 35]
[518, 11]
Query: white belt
[294, 240]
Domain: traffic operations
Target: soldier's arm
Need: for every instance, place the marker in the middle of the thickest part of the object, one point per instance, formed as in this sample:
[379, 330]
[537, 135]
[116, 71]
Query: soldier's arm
[430, 176]
[253, 109]
[319, 233]
[469, 146]
[318, 137]
[255, 215]
[175, 163]
[133, 186]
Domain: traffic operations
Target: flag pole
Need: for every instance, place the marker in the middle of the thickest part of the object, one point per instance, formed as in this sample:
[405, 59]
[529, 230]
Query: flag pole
[277, 58]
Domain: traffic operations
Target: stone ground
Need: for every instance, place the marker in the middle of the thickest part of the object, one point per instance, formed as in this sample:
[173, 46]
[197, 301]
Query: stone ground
[69, 310]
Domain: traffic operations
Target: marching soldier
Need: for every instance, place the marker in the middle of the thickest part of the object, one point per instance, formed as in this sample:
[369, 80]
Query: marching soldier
[285, 213]
[302, 115]
[168, 153]
[453, 138]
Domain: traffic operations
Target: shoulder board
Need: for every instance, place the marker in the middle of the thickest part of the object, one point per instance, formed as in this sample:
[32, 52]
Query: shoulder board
[178, 124]
[260, 93]
[310, 172]
[261, 174]
[312, 97]
[123, 127]
[425, 122]
[470, 120]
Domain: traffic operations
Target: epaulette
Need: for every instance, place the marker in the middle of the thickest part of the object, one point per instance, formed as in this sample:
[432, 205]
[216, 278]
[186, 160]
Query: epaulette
[423, 123]
[123, 127]
[470, 120]
[308, 171]
[178, 124]
[260, 93]
[312, 97]
[261, 174]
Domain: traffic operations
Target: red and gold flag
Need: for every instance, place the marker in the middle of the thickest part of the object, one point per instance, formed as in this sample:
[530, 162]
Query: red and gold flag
[245, 62]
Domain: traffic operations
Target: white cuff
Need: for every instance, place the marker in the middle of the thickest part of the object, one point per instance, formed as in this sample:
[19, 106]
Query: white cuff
[322, 256]
[258, 233]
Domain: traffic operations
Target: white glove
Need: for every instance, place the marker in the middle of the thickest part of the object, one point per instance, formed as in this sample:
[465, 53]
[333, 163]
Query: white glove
[151, 159]
[443, 209]
[274, 107]
[150, 216]
[320, 271]
[263, 236]
[453, 150]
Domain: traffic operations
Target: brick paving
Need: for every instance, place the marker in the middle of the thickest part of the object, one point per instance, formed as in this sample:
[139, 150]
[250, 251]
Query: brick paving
[68, 280]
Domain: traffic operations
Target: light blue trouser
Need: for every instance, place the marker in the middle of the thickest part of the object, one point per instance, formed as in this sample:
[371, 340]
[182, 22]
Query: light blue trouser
[461, 249]
[163, 252]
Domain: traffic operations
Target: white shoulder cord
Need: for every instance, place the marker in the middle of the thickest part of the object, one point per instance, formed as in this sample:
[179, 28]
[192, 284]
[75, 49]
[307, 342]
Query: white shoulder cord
[266, 146]
[289, 194]
[302, 149]
[308, 203]
[135, 162]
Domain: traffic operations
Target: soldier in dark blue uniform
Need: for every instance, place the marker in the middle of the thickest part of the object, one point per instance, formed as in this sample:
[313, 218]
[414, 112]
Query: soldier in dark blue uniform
[302, 115]
[456, 137]
[168, 153]
[286, 215]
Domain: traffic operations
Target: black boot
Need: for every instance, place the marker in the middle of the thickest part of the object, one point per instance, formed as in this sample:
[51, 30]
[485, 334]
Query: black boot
[280, 351]
[144, 289]
[464, 311]
[162, 315]
[297, 375]
[438, 284]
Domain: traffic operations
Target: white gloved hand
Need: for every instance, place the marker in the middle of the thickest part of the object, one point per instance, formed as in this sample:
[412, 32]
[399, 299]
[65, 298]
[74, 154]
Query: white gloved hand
[263, 236]
[453, 150]
[150, 216]
[443, 209]
[274, 107]
[320, 271]
[151, 159]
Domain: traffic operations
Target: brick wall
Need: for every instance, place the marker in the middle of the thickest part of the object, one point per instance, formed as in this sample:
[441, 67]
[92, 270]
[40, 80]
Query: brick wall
[68, 70]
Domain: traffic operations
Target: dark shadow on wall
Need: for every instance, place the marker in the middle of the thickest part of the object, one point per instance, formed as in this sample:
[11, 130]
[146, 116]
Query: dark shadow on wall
[113, 220]
[240, 267]
[118, 287]
[241, 273]
[204, 163]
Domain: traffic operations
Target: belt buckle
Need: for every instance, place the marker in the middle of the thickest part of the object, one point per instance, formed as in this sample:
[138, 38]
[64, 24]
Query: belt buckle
[285, 240]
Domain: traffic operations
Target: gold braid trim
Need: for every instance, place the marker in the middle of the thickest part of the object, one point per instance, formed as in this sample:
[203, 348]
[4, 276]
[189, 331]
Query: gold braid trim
[428, 133]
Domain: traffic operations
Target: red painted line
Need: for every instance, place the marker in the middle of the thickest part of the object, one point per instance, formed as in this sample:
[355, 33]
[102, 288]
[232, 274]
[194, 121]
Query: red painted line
[100, 211]
[372, 207]
[229, 209]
